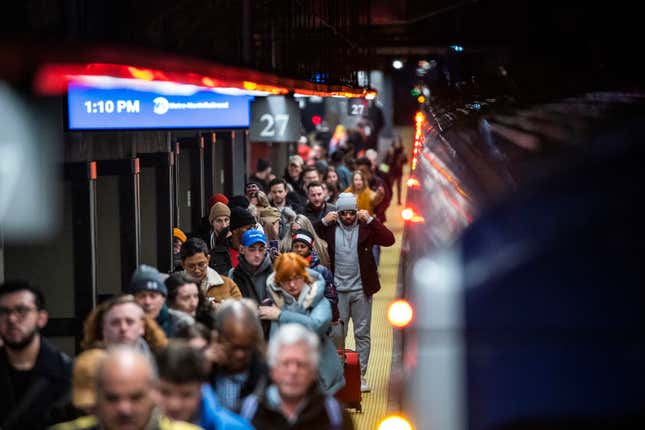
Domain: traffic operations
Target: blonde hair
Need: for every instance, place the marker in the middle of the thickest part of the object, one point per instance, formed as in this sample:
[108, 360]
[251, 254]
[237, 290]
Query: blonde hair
[263, 200]
[268, 228]
[290, 265]
[365, 184]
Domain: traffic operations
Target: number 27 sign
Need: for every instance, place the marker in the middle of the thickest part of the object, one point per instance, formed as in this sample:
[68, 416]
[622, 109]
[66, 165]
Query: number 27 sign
[275, 119]
[357, 107]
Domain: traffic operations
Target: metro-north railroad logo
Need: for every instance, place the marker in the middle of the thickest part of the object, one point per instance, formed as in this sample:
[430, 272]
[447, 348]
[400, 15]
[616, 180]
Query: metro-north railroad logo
[161, 105]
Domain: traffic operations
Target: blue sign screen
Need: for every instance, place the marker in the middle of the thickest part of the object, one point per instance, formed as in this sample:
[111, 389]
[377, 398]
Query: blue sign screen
[91, 108]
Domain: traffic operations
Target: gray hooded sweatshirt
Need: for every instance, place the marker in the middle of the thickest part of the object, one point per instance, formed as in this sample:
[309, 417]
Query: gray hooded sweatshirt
[347, 275]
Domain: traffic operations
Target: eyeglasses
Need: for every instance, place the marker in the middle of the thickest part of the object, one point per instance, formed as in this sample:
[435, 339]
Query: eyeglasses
[347, 213]
[200, 266]
[20, 311]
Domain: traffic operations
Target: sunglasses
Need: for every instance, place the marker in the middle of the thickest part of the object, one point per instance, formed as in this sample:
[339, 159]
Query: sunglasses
[347, 213]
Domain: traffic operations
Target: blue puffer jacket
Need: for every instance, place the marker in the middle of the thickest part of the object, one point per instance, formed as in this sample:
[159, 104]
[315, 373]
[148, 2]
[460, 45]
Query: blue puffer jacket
[312, 310]
[215, 417]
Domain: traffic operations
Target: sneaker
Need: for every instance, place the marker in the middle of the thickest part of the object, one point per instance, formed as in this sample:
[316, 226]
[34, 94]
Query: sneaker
[364, 387]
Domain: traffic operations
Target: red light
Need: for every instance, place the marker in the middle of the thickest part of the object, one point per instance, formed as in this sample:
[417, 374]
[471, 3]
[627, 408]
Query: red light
[410, 215]
[413, 183]
[316, 119]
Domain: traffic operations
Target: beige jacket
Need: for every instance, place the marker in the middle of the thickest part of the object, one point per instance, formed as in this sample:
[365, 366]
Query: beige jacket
[219, 287]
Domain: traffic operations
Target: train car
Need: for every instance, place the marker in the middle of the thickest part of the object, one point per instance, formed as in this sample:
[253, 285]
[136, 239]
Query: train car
[521, 260]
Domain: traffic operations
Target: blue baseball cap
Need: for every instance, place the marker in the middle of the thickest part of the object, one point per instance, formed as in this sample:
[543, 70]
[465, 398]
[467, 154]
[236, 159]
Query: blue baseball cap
[251, 237]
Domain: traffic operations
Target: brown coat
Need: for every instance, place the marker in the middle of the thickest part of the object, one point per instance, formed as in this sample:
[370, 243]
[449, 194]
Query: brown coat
[369, 234]
[219, 287]
[227, 290]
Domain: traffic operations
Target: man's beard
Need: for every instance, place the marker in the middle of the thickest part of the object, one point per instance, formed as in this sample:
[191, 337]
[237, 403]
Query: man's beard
[348, 223]
[23, 343]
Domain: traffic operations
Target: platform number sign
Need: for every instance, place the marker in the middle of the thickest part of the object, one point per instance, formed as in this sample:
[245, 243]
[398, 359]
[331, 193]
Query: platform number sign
[357, 107]
[275, 119]
[274, 124]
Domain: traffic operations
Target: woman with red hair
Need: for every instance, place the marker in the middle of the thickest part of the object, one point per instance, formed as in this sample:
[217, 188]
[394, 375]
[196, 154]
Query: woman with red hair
[296, 293]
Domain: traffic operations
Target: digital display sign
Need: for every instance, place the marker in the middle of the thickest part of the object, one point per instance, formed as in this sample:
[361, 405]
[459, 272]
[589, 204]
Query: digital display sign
[91, 108]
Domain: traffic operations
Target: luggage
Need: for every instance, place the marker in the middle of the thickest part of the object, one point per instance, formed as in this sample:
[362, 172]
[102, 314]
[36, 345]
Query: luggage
[350, 395]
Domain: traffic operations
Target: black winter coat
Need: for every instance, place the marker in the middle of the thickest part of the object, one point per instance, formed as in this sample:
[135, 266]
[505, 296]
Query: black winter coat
[315, 215]
[48, 387]
[221, 261]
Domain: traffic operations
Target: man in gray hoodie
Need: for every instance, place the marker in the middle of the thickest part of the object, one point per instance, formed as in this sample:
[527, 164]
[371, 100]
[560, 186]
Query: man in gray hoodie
[350, 235]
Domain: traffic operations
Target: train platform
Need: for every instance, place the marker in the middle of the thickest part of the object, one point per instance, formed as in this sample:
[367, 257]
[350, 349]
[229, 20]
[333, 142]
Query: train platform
[375, 403]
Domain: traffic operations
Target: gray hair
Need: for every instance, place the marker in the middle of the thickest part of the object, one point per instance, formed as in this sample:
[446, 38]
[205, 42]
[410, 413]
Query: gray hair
[291, 334]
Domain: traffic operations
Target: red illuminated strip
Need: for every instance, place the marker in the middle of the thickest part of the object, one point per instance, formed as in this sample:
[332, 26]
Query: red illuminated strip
[53, 67]
[419, 120]
[53, 79]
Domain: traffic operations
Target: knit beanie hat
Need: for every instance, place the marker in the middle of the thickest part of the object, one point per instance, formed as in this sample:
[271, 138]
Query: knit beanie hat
[239, 201]
[240, 217]
[303, 236]
[346, 202]
[147, 278]
[252, 183]
[218, 209]
[215, 198]
[296, 159]
[176, 232]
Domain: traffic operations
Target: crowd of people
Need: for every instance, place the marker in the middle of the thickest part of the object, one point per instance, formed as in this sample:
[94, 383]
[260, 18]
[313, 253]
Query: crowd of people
[243, 333]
